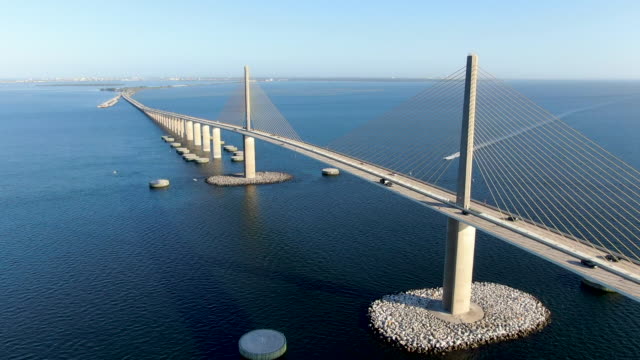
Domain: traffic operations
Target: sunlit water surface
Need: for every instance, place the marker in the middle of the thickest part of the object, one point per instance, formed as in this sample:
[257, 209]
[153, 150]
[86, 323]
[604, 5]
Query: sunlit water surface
[96, 265]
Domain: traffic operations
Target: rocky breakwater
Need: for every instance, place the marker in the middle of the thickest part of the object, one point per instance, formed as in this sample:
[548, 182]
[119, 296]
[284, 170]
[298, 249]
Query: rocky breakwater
[409, 321]
[262, 177]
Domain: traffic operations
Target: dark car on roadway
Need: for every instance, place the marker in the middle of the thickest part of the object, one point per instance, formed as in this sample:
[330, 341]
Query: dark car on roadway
[589, 263]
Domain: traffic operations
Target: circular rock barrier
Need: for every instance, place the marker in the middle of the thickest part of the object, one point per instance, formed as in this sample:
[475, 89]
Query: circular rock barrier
[262, 177]
[330, 171]
[262, 344]
[189, 157]
[159, 184]
[405, 319]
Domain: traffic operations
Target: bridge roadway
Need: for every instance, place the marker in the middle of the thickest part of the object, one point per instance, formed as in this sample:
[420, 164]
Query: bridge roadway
[623, 276]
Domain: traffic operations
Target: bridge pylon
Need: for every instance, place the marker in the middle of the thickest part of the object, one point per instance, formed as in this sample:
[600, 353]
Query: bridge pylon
[249, 142]
[460, 248]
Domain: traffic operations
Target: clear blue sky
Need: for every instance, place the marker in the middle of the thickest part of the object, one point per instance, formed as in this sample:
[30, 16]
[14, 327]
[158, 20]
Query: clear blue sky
[514, 39]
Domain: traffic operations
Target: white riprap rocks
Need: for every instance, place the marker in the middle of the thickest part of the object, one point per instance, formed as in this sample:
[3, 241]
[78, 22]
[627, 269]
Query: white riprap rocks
[404, 319]
[262, 177]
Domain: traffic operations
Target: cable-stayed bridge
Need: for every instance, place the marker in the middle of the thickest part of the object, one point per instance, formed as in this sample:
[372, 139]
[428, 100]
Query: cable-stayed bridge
[479, 152]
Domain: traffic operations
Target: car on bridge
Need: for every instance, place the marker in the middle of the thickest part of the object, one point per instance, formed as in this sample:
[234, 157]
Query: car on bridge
[612, 258]
[386, 182]
[589, 263]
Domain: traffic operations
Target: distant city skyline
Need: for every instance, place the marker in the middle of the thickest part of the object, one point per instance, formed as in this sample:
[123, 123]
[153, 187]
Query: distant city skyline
[287, 39]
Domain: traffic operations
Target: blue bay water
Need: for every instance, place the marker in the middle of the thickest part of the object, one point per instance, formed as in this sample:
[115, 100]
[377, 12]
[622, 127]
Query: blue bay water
[96, 265]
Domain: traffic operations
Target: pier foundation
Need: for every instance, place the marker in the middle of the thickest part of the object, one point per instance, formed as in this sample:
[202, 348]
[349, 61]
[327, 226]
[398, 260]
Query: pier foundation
[189, 130]
[249, 157]
[217, 146]
[206, 138]
[458, 268]
[197, 134]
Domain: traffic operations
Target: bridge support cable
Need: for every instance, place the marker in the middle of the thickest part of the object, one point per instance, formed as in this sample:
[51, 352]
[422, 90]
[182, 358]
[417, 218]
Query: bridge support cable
[591, 209]
[403, 116]
[395, 133]
[539, 206]
[266, 116]
[525, 180]
[602, 166]
[233, 111]
[536, 166]
[414, 137]
[518, 191]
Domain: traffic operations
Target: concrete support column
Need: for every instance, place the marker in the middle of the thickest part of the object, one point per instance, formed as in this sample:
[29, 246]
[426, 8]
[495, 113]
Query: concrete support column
[197, 134]
[189, 130]
[206, 138]
[458, 267]
[217, 146]
[458, 272]
[249, 157]
[249, 142]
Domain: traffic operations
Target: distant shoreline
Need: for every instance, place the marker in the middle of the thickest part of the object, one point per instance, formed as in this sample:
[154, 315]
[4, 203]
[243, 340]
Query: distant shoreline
[82, 84]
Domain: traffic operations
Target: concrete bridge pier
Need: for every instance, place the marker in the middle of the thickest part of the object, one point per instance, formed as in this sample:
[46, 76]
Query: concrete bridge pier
[189, 130]
[217, 146]
[458, 271]
[249, 157]
[197, 134]
[458, 268]
[206, 138]
[249, 142]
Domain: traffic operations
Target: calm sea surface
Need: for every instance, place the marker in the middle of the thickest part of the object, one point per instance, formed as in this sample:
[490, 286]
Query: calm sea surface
[94, 265]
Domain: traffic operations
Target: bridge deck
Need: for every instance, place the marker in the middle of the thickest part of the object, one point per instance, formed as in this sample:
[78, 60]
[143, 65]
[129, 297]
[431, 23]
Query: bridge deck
[623, 276]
